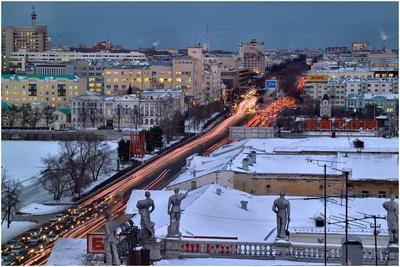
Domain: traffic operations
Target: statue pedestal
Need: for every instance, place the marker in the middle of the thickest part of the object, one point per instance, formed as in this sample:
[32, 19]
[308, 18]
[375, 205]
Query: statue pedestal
[282, 249]
[393, 257]
[155, 249]
[173, 229]
[172, 248]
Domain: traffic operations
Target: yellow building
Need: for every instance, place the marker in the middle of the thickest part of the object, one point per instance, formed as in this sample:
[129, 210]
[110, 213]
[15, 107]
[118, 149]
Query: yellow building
[55, 90]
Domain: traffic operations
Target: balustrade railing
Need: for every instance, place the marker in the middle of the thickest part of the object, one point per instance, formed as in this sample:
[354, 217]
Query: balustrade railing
[269, 251]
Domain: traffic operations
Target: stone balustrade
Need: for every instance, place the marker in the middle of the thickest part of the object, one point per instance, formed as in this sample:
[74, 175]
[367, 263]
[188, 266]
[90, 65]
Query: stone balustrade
[185, 248]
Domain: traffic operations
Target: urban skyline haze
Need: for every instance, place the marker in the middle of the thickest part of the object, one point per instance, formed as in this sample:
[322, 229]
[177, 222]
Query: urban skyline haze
[283, 25]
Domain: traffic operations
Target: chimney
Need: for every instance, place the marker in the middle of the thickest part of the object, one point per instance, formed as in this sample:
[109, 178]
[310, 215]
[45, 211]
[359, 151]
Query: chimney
[219, 191]
[244, 204]
[194, 173]
[245, 164]
[254, 156]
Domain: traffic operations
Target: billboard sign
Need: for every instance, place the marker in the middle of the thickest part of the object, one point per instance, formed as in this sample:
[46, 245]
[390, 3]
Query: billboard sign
[270, 84]
[95, 243]
[317, 78]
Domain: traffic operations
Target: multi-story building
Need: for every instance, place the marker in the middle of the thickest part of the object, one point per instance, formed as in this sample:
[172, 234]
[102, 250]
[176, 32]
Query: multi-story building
[19, 60]
[388, 103]
[384, 64]
[343, 73]
[252, 56]
[336, 49]
[55, 90]
[360, 46]
[93, 111]
[31, 39]
[93, 72]
[339, 89]
[53, 69]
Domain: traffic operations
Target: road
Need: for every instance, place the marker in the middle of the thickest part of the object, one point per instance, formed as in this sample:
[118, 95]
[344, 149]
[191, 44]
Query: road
[115, 197]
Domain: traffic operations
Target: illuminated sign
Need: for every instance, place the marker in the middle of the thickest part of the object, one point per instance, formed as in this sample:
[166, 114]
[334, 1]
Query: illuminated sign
[270, 84]
[317, 77]
[95, 243]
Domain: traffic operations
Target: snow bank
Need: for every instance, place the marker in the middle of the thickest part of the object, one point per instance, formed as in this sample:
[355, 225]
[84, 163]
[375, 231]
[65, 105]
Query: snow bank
[16, 228]
[40, 209]
[67, 252]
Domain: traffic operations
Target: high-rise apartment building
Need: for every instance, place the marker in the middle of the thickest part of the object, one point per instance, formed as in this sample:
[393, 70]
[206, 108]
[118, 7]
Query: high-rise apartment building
[31, 39]
[252, 56]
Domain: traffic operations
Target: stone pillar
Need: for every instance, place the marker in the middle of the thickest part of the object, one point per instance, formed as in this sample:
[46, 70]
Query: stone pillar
[172, 248]
[282, 249]
[155, 249]
[393, 254]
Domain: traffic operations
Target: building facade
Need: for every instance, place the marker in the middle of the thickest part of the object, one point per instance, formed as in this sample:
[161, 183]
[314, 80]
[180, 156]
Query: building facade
[252, 56]
[136, 111]
[55, 90]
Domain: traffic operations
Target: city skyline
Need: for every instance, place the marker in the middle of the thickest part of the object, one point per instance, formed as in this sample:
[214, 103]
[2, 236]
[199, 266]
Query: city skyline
[224, 25]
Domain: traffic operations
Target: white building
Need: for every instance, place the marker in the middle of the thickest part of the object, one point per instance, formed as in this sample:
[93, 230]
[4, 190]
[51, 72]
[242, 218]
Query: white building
[93, 111]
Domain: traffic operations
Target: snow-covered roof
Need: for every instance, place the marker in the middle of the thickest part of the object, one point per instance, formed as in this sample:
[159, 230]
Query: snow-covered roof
[378, 160]
[207, 214]
[68, 252]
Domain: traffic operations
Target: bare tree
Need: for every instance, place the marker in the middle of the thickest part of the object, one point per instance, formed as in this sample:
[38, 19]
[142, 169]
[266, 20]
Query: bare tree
[48, 114]
[54, 176]
[77, 156]
[35, 116]
[26, 115]
[100, 158]
[10, 197]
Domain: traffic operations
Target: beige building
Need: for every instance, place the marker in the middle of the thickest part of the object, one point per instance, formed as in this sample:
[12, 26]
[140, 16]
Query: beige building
[32, 39]
[55, 90]
[252, 56]
[271, 166]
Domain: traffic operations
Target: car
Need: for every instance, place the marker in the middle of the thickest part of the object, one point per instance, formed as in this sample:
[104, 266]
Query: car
[10, 244]
[45, 226]
[51, 237]
[17, 248]
[35, 231]
[20, 256]
[35, 239]
[25, 238]
[9, 260]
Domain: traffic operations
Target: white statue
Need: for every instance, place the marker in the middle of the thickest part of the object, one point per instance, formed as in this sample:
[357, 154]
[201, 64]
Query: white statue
[111, 241]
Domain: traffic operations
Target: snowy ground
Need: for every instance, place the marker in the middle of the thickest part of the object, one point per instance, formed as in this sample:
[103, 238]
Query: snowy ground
[15, 229]
[28, 154]
[67, 252]
[40, 209]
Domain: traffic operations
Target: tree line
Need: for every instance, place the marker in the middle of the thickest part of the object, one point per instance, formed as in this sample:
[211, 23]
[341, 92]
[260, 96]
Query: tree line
[26, 116]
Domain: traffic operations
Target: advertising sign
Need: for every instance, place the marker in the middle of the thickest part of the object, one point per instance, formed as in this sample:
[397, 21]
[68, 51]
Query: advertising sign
[317, 78]
[95, 243]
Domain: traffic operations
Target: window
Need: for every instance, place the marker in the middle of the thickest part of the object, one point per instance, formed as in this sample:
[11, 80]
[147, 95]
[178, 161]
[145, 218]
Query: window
[364, 193]
[32, 88]
[62, 89]
[382, 194]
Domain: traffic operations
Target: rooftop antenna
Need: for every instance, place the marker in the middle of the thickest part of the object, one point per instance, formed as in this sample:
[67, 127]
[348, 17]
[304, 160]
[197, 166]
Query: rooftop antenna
[208, 44]
[33, 16]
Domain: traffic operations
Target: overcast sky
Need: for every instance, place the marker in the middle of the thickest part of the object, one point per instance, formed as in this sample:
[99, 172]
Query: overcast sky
[279, 25]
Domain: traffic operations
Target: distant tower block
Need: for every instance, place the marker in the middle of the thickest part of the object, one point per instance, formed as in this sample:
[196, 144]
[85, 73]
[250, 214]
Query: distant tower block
[325, 107]
[33, 16]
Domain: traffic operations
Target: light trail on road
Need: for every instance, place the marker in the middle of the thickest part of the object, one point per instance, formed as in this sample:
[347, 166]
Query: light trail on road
[118, 189]
[269, 114]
